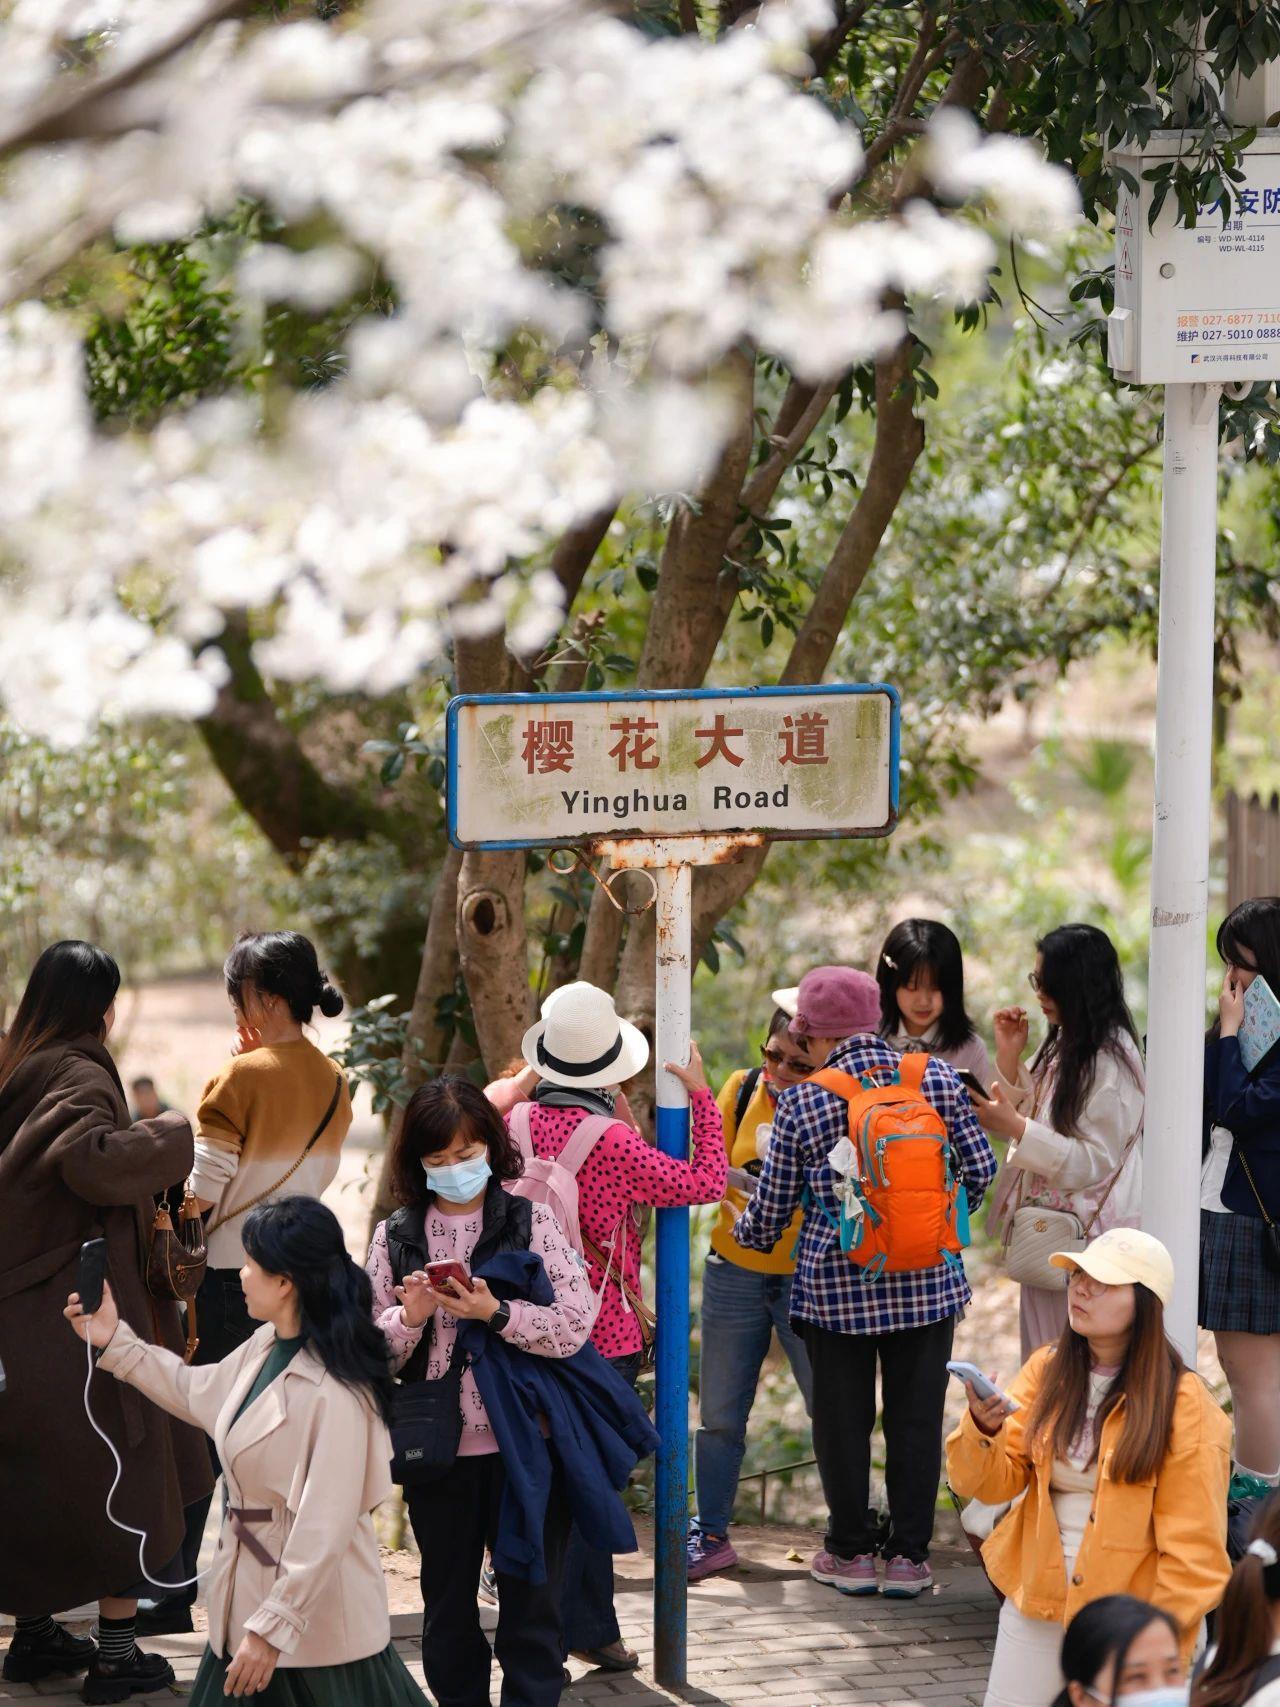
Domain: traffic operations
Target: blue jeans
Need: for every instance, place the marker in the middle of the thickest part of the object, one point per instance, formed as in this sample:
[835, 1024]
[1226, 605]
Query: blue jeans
[741, 1310]
[587, 1615]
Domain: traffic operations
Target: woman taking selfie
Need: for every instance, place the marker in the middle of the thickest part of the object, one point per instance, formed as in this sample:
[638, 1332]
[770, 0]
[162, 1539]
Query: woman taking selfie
[297, 1603]
[1245, 1666]
[1073, 1118]
[1122, 1649]
[72, 1168]
[1123, 1456]
[1239, 1194]
[449, 1161]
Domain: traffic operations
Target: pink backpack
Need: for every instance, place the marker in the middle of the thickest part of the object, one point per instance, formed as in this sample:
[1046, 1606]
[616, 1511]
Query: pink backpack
[555, 1182]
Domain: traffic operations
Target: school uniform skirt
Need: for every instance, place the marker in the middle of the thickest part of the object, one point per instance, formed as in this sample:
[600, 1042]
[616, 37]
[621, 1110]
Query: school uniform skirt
[1239, 1291]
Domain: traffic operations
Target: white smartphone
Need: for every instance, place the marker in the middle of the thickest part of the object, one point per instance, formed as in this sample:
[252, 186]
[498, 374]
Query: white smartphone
[984, 1388]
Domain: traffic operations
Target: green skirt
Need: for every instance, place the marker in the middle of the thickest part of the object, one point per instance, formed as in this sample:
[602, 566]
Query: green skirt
[380, 1681]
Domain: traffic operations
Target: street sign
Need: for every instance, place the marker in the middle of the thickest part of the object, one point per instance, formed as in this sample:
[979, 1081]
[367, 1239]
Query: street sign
[536, 770]
[1197, 303]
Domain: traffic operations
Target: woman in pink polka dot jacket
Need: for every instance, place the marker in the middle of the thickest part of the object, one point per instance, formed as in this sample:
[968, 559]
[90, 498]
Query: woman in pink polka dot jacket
[581, 1052]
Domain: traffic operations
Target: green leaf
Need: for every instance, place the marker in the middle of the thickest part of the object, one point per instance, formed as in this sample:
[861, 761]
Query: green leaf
[392, 767]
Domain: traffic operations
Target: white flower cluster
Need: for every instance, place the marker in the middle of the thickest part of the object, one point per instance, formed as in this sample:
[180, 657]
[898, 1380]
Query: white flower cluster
[633, 208]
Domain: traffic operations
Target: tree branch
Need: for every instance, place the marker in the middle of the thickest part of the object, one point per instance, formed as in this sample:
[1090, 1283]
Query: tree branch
[72, 102]
[265, 766]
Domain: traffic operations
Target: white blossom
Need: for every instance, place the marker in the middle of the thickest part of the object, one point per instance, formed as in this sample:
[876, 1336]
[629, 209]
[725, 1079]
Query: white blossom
[532, 174]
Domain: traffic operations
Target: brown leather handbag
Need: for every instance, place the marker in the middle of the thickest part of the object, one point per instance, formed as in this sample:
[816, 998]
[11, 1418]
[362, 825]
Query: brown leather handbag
[177, 1259]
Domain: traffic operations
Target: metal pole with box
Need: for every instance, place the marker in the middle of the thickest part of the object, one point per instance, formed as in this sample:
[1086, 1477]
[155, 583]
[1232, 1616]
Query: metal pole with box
[664, 782]
[1196, 308]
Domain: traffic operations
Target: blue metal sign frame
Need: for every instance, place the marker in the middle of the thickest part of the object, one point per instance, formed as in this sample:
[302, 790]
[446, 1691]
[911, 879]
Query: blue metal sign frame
[642, 695]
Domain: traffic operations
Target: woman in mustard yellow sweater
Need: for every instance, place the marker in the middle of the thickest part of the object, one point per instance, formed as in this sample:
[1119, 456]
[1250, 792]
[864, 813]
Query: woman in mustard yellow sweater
[270, 1124]
[1123, 1457]
[746, 1298]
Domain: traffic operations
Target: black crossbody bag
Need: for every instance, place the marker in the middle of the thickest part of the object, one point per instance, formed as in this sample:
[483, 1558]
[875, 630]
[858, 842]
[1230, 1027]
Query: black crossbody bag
[426, 1426]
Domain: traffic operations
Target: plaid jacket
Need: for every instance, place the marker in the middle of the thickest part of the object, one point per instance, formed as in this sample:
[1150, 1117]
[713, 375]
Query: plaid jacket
[829, 1290]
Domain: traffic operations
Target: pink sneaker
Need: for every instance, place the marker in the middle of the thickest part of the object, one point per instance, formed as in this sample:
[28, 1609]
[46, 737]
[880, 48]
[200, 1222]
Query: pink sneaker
[850, 1576]
[904, 1580]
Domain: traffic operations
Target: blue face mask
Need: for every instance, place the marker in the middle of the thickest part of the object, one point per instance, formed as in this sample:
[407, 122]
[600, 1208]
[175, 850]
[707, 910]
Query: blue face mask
[459, 1182]
[1169, 1695]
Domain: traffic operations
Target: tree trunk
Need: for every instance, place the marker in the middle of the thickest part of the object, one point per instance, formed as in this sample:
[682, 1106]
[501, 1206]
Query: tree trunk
[494, 951]
[437, 974]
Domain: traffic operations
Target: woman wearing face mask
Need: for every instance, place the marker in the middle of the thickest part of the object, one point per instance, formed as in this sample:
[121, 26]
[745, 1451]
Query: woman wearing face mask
[450, 1159]
[1245, 1666]
[1073, 1118]
[746, 1299]
[73, 1168]
[1239, 1191]
[296, 1598]
[1122, 1455]
[1119, 1649]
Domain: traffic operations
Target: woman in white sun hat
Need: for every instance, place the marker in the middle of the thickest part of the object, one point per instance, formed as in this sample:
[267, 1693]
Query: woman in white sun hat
[582, 1052]
[1123, 1456]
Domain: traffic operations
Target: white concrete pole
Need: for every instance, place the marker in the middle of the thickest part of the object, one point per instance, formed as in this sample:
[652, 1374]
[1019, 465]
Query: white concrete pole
[1180, 843]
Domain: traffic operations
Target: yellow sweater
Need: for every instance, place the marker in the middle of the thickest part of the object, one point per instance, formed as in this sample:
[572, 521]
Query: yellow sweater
[740, 1142]
[253, 1124]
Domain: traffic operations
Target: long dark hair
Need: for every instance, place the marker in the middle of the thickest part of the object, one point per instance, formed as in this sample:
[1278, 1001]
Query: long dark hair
[284, 964]
[1147, 1381]
[924, 945]
[1255, 927]
[71, 987]
[435, 1114]
[1105, 1630]
[1080, 971]
[1247, 1628]
[300, 1238]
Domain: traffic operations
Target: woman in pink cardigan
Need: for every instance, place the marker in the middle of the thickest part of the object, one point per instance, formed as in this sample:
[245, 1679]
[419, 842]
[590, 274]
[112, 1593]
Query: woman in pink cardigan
[581, 1052]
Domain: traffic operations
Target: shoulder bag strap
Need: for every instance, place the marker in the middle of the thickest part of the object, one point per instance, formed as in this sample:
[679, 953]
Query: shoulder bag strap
[746, 1090]
[583, 1140]
[314, 1139]
[1253, 1185]
[1105, 1198]
[912, 1069]
[519, 1125]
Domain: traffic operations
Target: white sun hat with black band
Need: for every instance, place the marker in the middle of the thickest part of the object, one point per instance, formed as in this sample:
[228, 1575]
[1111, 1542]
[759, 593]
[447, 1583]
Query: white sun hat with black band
[580, 1041]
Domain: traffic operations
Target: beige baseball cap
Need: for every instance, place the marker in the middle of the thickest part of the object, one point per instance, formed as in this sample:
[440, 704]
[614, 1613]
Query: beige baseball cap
[788, 1000]
[1121, 1257]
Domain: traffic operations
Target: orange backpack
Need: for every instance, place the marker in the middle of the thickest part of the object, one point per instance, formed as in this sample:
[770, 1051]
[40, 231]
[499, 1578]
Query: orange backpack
[904, 1209]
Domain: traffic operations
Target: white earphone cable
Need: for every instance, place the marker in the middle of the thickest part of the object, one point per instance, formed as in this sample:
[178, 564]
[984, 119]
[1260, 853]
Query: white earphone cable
[169, 1588]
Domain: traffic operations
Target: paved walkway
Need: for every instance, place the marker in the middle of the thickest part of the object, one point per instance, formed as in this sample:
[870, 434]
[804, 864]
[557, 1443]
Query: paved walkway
[765, 1632]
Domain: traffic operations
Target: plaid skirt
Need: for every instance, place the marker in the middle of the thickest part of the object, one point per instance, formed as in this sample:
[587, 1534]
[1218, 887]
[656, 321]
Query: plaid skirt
[1239, 1293]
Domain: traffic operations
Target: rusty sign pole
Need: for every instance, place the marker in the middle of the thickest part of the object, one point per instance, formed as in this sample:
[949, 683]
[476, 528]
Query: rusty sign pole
[671, 863]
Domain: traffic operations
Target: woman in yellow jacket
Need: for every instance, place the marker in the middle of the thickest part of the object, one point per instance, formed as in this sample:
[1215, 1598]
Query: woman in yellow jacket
[1124, 1460]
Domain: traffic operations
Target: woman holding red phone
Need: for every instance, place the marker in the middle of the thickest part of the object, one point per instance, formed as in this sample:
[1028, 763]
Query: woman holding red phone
[448, 1164]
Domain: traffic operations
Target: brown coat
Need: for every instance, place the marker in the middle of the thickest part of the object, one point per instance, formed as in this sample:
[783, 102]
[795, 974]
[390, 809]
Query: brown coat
[313, 1454]
[72, 1168]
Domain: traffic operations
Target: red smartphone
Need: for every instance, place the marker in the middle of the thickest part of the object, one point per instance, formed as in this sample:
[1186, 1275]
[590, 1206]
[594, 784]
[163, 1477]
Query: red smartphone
[438, 1272]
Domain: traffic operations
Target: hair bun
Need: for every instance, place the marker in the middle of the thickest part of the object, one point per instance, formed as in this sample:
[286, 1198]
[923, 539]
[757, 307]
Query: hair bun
[329, 1001]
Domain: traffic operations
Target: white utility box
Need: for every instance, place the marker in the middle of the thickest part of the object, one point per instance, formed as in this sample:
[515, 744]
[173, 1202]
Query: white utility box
[1198, 303]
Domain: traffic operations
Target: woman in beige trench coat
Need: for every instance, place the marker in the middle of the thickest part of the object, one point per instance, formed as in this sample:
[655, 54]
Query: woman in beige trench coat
[296, 1598]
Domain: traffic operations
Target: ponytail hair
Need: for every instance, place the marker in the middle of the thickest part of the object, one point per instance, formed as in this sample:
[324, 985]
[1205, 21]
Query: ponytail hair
[284, 964]
[1105, 1630]
[1247, 1625]
[299, 1238]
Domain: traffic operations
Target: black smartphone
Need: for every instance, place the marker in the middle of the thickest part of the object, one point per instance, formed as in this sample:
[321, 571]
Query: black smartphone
[91, 1273]
[973, 1084]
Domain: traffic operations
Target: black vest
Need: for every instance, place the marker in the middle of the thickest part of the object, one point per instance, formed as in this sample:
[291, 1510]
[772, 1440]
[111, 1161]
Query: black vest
[506, 1225]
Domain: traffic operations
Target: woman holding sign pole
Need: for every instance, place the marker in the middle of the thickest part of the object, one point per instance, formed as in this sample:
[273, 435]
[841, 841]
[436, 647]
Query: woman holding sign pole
[1240, 1189]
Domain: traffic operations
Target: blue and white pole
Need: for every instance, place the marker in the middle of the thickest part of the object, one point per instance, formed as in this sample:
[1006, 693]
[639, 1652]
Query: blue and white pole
[672, 1031]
